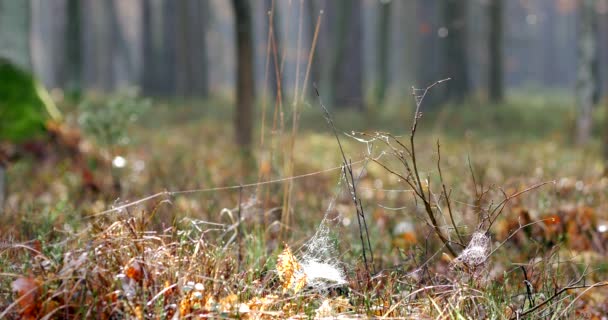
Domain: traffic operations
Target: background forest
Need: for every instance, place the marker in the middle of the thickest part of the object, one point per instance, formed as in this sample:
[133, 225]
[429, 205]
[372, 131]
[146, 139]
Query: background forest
[426, 159]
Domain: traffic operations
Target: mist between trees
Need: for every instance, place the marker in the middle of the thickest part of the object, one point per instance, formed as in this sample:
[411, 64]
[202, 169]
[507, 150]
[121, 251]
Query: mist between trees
[369, 52]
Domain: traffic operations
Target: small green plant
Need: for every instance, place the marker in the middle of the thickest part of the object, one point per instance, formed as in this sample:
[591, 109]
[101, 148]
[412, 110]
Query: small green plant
[108, 120]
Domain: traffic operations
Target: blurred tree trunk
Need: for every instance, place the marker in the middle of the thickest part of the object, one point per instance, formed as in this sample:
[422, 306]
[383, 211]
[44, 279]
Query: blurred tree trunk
[98, 45]
[122, 66]
[586, 84]
[183, 53]
[426, 66]
[347, 64]
[73, 43]
[410, 39]
[274, 74]
[549, 44]
[383, 58]
[150, 59]
[455, 50]
[48, 21]
[105, 44]
[243, 118]
[168, 46]
[191, 50]
[495, 43]
[199, 16]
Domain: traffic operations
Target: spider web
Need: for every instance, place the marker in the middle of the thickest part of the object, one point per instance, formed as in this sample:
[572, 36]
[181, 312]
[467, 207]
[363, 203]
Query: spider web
[319, 256]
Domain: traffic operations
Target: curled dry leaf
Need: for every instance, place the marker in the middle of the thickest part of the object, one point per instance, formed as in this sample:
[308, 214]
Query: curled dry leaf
[27, 290]
[290, 271]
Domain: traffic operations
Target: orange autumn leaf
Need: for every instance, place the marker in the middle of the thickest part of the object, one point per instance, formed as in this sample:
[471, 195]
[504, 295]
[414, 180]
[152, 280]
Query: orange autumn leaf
[27, 290]
[134, 271]
[553, 219]
[290, 271]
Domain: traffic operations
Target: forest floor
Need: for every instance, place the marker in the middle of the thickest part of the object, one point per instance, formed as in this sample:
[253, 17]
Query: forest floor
[191, 231]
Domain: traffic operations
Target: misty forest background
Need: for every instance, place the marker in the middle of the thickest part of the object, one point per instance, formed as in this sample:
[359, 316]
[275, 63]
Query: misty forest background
[369, 53]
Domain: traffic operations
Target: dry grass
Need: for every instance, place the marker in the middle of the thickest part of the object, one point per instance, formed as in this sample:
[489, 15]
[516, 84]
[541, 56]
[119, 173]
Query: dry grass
[181, 254]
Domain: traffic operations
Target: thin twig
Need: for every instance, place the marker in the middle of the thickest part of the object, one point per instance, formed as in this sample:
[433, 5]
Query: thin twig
[425, 201]
[446, 195]
[528, 286]
[240, 229]
[557, 294]
[351, 184]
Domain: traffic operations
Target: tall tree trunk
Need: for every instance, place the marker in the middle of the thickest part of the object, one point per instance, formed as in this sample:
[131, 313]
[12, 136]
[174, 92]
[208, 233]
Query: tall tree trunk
[122, 66]
[455, 50]
[73, 43]
[427, 69]
[199, 15]
[347, 64]
[549, 44]
[243, 118]
[409, 40]
[98, 46]
[191, 48]
[47, 42]
[105, 45]
[150, 60]
[586, 84]
[182, 49]
[383, 58]
[168, 47]
[495, 43]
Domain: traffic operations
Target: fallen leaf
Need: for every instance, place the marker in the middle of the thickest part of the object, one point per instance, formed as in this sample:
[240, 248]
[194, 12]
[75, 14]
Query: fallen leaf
[290, 271]
[27, 290]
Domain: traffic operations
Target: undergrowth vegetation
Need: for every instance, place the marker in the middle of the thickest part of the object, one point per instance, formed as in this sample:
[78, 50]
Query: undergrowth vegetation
[447, 222]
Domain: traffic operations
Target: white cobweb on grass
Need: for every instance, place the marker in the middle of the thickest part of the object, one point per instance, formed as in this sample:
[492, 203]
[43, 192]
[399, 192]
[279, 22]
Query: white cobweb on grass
[319, 256]
[476, 253]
